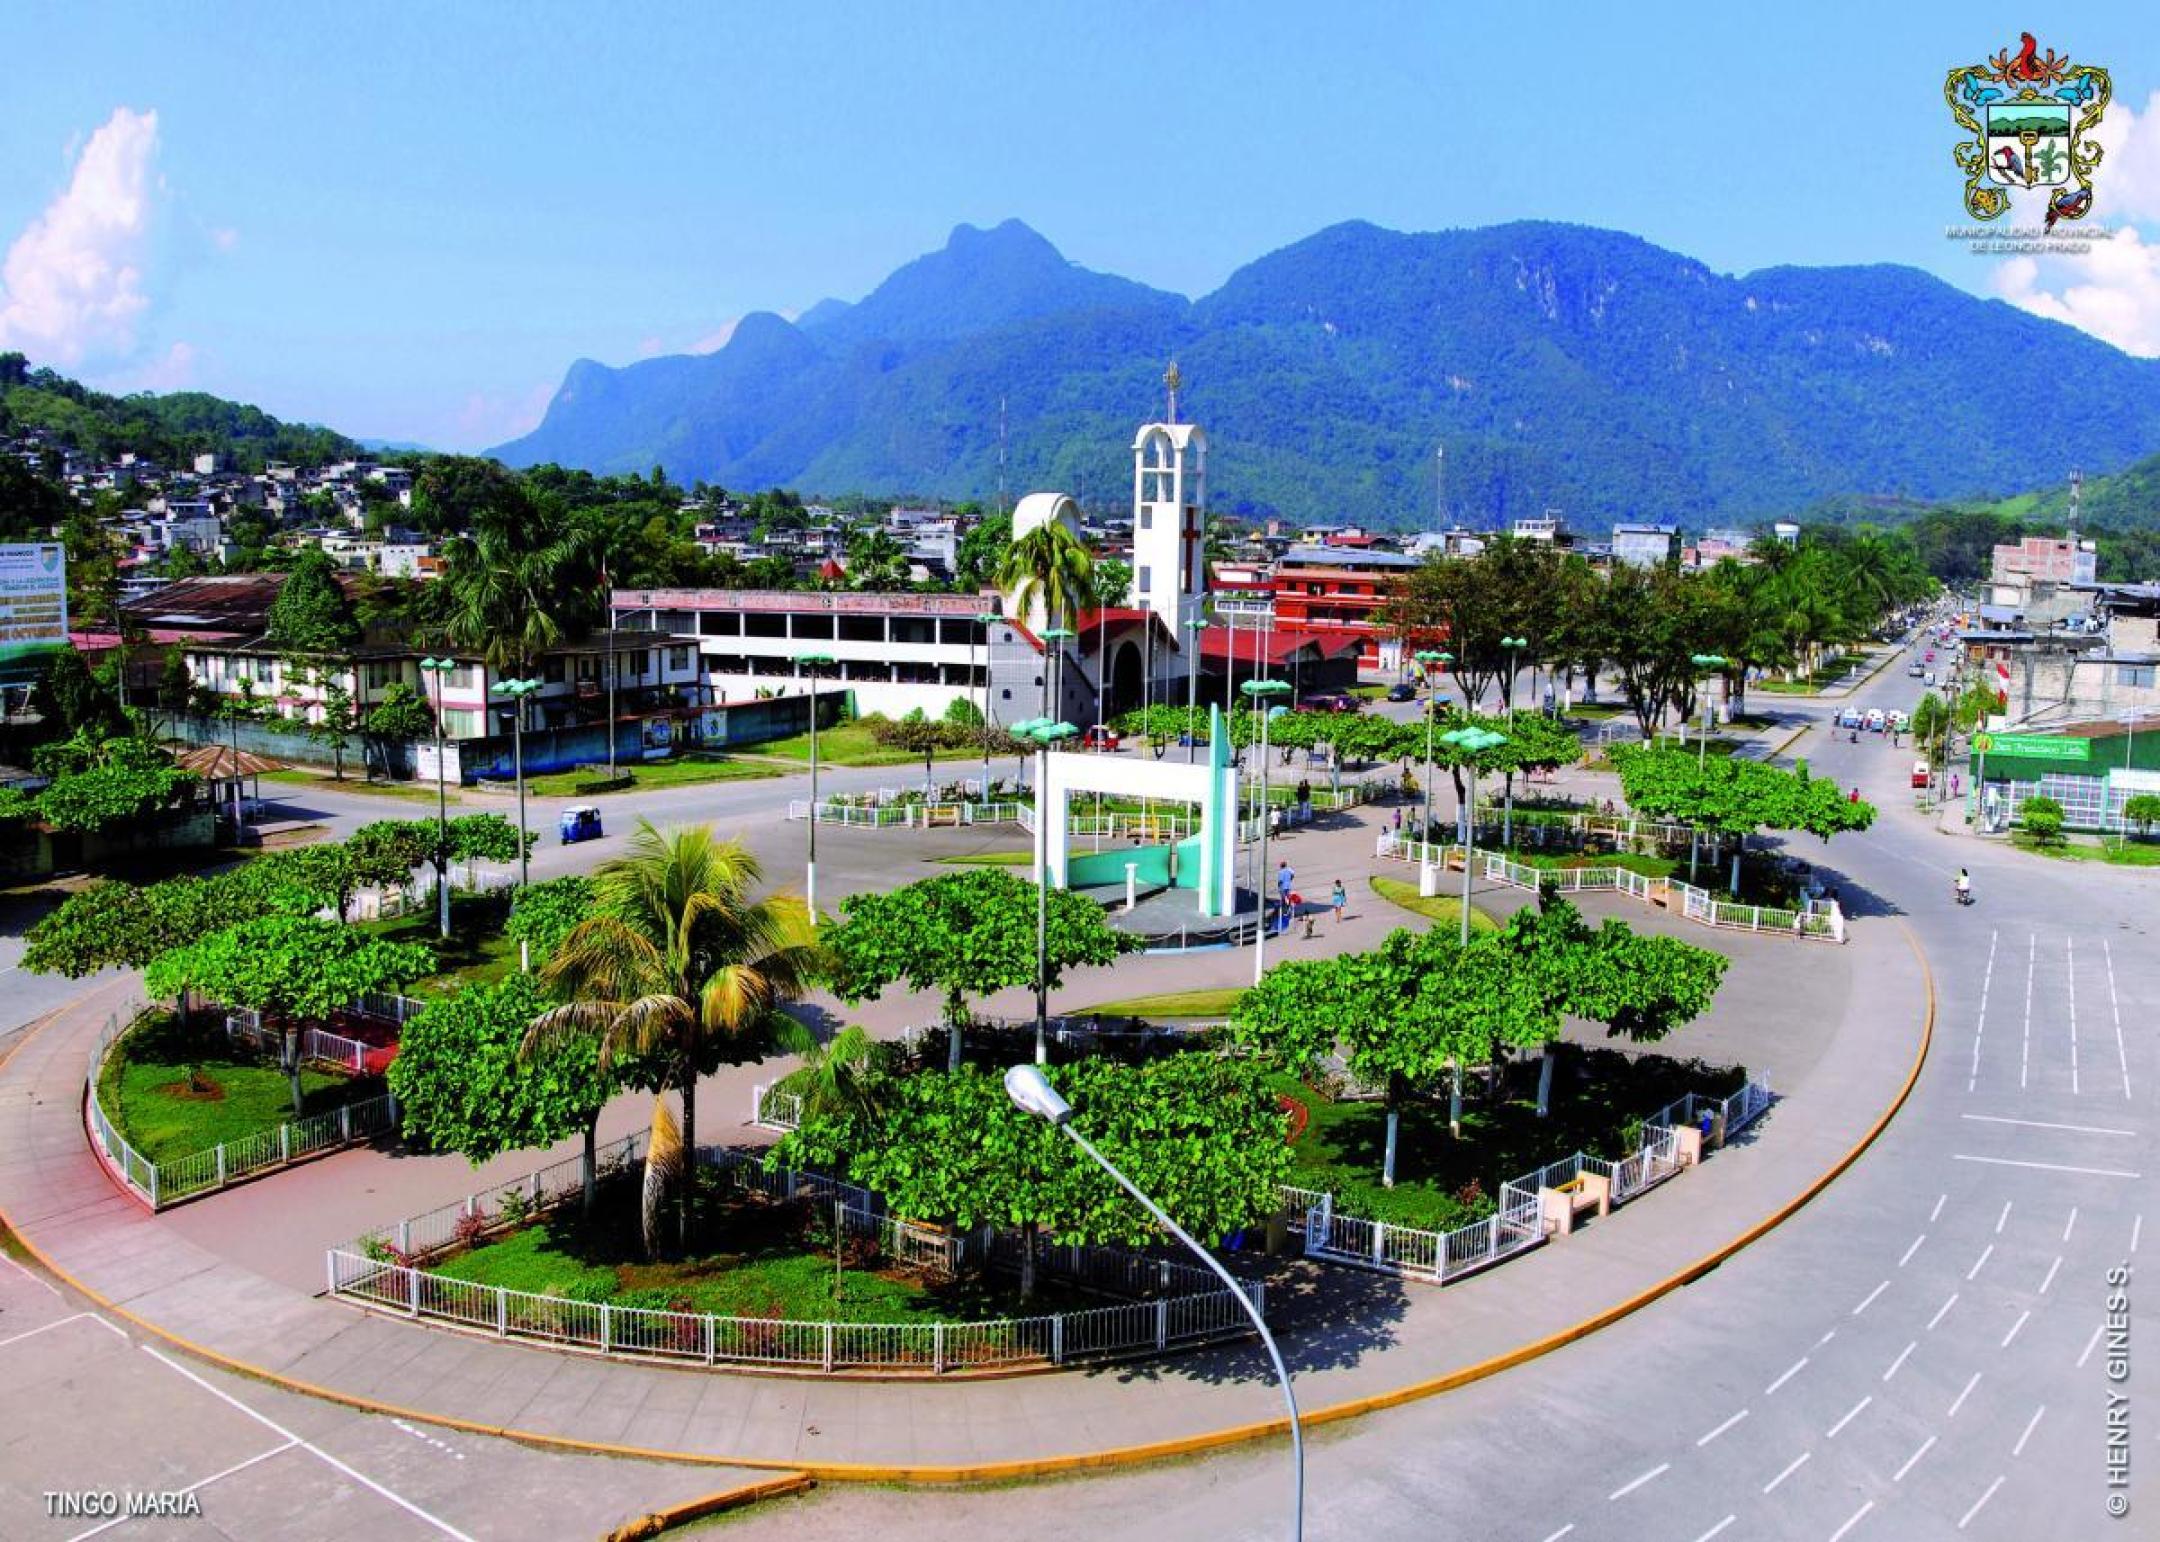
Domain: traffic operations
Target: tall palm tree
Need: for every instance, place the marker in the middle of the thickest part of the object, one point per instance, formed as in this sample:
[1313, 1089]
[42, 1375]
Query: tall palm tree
[679, 966]
[514, 587]
[1049, 564]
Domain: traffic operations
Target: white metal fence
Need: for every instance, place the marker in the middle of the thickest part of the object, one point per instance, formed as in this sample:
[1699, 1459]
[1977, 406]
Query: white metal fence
[319, 1044]
[177, 1178]
[1187, 1305]
[1515, 1224]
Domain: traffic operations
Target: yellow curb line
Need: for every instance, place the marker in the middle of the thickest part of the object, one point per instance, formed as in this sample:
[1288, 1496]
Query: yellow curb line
[657, 1521]
[1116, 1456]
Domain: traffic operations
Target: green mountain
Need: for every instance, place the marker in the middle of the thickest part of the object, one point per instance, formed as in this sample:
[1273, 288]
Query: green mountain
[168, 429]
[1560, 366]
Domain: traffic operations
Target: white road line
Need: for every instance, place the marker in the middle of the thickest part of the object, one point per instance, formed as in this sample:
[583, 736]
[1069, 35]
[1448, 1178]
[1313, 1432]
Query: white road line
[2030, 1425]
[1797, 1463]
[1942, 1311]
[2046, 1167]
[2032, 949]
[1912, 1249]
[1826, 1338]
[2070, 969]
[1791, 1371]
[1563, 1531]
[2014, 1327]
[1742, 1414]
[1878, 1290]
[57, 1322]
[2070, 1224]
[2090, 1345]
[1714, 1530]
[1626, 1489]
[1899, 1475]
[30, 1274]
[2044, 1284]
[1936, 1214]
[2122, 1055]
[1960, 1403]
[1985, 1254]
[2004, 1219]
[1977, 1503]
[1858, 1516]
[1851, 1414]
[2041, 1124]
[1900, 1360]
[203, 1483]
[314, 1450]
[2137, 1224]
[1972, 1078]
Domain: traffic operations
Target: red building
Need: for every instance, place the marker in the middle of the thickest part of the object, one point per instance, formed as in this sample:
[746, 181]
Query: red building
[1330, 589]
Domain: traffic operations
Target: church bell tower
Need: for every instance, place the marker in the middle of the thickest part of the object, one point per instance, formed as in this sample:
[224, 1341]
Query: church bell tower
[1169, 527]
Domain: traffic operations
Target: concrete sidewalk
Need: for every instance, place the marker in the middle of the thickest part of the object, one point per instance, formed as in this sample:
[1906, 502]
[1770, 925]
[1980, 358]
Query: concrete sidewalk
[1836, 1054]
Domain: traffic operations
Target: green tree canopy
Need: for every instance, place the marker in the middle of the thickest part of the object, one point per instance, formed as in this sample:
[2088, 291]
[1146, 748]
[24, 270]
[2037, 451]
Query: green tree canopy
[288, 966]
[311, 618]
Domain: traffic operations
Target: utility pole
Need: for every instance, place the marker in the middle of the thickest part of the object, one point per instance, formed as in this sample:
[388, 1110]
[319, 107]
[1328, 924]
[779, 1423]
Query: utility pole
[1440, 488]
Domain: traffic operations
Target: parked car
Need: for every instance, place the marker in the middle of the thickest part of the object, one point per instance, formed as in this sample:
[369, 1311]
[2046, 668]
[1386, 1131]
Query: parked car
[1914, 669]
[1402, 692]
[580, 822]
[1100, 737]
[1329, 701]
[1920, 774]
[1928, 680]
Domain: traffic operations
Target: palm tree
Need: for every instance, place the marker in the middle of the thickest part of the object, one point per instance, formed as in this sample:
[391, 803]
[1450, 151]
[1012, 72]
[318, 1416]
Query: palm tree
[1049, 564]
[516, 587]
[680, 967]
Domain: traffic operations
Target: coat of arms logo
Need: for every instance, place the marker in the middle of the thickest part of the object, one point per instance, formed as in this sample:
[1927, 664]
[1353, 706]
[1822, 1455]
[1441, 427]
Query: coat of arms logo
[2030, 114]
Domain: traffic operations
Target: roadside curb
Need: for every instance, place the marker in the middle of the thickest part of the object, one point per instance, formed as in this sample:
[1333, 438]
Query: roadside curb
[654, 1522]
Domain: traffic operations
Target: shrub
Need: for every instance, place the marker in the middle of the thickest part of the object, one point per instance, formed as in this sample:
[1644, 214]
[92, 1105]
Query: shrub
[2042, 819]
[469, 1228]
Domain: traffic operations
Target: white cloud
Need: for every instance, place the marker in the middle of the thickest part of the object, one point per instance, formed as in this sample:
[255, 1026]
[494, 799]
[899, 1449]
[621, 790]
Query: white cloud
[224, 238]
[71, 286]
[172, 370]
[2113, 291]
[488, 418]
[2128, 179]
[717, 339]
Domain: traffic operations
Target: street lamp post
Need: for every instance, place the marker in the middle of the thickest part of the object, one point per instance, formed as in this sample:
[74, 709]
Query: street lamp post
[1428, 658]
[1514, 646]
[1032, 1093]
[1258, 690]
[985, 620]
[1706, 662]
[1193, 628]
[811, 662]
[438, 668]
[1473, 742]
[517, 691]
[1043, 732]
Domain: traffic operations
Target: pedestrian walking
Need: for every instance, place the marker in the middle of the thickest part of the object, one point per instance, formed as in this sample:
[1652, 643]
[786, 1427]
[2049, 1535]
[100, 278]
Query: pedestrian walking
[1283, 879]
[1339, 899]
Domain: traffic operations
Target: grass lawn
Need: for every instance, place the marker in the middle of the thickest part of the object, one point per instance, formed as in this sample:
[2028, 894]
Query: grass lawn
[1200, 1003]
[1439, 909]
[411, 792]
[1597, 711]
[1650, 866]
[681, 771]
[988, 859]
[2120, 853]
[756, 1259]
[146, 1092]
[477, 952]
[850, 744]
[1598, 1097]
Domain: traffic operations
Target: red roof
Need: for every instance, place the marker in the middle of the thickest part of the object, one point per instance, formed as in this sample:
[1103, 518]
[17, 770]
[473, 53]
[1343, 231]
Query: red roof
[1280, 645]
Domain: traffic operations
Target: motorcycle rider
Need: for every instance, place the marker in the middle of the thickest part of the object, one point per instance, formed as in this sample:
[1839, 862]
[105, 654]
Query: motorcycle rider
[1964, 887]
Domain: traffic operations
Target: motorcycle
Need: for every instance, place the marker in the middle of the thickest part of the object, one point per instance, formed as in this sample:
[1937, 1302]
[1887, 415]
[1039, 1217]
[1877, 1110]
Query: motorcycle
[1964, 894]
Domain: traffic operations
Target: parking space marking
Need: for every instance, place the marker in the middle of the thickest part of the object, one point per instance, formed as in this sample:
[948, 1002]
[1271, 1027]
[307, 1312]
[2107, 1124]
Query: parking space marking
[1790, 1372]
[1851, 1414]
[311, 1448]
[2044, 1284]
[2122, 1054]
[2004, 1219]
[1898, 1363]
[1626, 1489]
[2070, 968]
[1859, 1515]
[2030, 1425]
[1977, 1503]
[1899, 1475]
[1911, 1249]
[196, 1487]
[2032, 952]
[1797, 1463]
[30, 1274]
[2090, 1345]
[1563, 1531]
[1878, 1290]
[1721, 1429]
[2042, 1124]
[1936, 1214]
[1972, 1078]
[57, 1322]
[1960, 1403]
[1980, 1263]
[1942, 1311]
[2070, 1225]
[2046, 1167]
[2014, 1327]
[1714, 1530]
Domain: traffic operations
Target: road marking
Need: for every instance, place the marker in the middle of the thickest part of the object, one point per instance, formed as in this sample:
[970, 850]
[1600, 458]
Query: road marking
[2137, 1224]
[1912, 1249]
[1878, 1290]
[260, 1456]
[1790, 1373]
[1714, 1530]
[1563, 1531]
[58, 1322]
[2044, 1284]
[2030, 1425]
[2004, 1219]
[30, 1274]
[2014, 1327]
[1851, 1414]
[2032, 947]
[1859, 1515]
[1797, 1463]
[2041, 1124]
[1742, 1414]
[2070, 1224]
[2070, 969]
[1899, 1475]
[2090, 1345]
[1942, 1311]
[2122, 1055]
[1985, 1253]
[1987, 978]
[1626, 1489]
[1900, 1360]
[1936, 1214]
[1826, 1338]
[1960, 1403]
[312, 1449]
[1977, 1503]
[2046, 1167]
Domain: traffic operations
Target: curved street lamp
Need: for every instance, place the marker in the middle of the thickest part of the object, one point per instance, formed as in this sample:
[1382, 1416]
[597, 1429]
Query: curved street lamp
[1514, 646]
[986, 620]
[1261, 691]
[811, 663]
[1472, 742]
[438, 668]
[1032, 1093]
[1042, 732]
[1194, 627]
[517, 691]
[1428, 658]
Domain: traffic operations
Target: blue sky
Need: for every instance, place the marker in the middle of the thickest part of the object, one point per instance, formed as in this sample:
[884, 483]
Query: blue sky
[406, 221]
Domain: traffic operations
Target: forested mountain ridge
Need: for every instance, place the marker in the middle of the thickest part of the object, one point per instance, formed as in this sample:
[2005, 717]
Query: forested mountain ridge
[168, 429]
[1560, 366]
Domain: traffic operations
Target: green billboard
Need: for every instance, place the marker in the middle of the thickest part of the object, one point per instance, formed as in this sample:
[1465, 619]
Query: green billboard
[33, 607]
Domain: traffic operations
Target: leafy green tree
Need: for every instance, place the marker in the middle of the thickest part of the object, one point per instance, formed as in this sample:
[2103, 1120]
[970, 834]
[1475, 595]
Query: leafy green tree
[964, 934]
[464, 1083]
[1199, 1133]
[402, 714]
[311, 619]
[2143, 810]
[679, 966]
[981, 551]
[335, 728]
[526, 576]
[2041, 817]
[543, 914]
[289, 968]
[1735, 797]
[876, 561]
[69, 696]
[918, 736]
